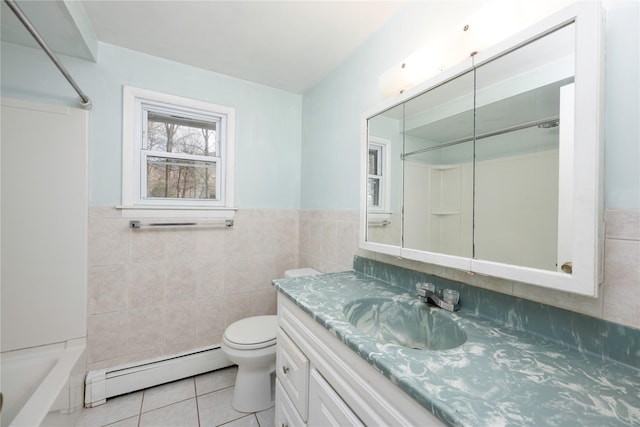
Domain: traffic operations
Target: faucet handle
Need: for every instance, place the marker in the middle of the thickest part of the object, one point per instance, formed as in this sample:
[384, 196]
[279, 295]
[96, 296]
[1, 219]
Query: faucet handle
[427, 293]
[426, 285]
[425, 288]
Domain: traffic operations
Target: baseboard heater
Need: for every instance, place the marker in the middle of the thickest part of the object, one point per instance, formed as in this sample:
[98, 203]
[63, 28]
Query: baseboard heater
[105, 383]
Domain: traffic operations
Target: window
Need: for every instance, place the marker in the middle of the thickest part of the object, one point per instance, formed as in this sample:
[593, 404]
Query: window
[375, 176]
[177, 152]
[377, 188]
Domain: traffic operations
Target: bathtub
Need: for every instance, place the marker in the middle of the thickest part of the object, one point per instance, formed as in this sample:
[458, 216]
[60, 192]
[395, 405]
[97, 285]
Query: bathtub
[43, 385]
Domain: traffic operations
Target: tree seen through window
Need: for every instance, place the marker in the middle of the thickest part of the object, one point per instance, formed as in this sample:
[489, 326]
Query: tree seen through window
[184, 174]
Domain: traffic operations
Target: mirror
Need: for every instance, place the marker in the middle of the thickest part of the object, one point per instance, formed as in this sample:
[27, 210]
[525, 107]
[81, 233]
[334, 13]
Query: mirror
[478, 169]
[384, 177]
[517, 141]
[438, 169]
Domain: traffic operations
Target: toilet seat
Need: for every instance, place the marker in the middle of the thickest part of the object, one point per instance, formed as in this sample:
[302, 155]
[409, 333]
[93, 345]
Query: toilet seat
[252, 333]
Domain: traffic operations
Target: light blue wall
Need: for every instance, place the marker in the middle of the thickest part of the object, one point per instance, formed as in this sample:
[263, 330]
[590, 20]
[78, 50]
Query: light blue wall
[267, 120]
[331, 111]
[273, 169]
[622, 115]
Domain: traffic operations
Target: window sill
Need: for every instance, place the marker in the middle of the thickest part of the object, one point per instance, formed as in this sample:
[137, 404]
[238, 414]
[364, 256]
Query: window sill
[159, 211]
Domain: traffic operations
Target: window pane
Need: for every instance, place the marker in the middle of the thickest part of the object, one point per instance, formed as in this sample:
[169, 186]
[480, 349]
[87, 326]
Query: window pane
[180, 179]
[373, 161]
[373, 190]
[181, 135]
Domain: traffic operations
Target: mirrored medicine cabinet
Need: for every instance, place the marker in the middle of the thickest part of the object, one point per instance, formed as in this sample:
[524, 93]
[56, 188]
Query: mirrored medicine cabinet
[494, 166]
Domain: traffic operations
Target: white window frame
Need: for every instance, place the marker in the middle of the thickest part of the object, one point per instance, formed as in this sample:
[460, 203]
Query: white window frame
[134, 155]
[382, 146]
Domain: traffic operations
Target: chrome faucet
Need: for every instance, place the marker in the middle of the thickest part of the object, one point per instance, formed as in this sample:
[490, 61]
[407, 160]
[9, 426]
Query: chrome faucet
[427, 293]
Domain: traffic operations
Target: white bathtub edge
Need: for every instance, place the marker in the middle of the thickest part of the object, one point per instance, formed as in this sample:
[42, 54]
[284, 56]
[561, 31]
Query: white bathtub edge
[37, 407]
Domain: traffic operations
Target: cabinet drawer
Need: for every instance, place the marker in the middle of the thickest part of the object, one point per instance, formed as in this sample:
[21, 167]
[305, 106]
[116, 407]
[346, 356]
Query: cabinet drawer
[326, 408]
[292, 369]
[286, 413]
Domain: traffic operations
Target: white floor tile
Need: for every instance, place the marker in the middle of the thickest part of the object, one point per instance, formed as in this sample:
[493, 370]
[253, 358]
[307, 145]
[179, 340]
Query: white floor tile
[216, 380]
[267, 418]
[129, 422]
[166, 394]
[116, 409]
[175, 404]
[215, 408]
[248, 421]
[181, 414]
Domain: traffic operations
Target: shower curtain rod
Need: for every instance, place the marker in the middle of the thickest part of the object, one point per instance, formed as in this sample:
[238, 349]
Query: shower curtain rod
[546, 123]
[85, 101]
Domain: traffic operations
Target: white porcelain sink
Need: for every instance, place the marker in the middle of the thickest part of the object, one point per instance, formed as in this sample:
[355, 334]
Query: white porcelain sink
[408, 324]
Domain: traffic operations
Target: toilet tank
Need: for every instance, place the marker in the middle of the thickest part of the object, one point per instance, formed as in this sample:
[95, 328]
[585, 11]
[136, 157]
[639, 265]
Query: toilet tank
[300, 272]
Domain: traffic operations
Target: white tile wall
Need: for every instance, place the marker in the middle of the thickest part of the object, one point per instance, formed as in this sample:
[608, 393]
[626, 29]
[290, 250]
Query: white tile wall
[153, 292]
[323, 248]
[156, 292]
[621, 299]
[329, 239]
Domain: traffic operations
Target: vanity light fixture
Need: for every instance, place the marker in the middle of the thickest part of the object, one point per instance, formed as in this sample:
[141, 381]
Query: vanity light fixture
[493, 22]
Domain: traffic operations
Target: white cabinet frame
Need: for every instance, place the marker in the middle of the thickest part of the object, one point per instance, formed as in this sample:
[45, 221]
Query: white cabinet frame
[583, 175]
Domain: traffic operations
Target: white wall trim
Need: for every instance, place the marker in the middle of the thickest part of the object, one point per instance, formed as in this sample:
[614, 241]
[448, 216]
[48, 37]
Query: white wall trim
[105, 383]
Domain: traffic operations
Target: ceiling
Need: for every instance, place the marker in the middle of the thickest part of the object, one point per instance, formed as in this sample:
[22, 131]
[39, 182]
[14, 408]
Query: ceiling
[289, 45]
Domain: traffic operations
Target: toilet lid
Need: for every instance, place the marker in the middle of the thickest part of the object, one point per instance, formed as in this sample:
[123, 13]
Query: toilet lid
[252, 332]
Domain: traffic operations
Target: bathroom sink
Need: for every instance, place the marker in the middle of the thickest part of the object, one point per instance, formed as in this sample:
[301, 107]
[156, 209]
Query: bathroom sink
[408, 324]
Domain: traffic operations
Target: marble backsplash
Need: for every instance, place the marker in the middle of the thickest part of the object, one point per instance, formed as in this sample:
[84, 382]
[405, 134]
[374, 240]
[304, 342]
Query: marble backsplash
[585, 333]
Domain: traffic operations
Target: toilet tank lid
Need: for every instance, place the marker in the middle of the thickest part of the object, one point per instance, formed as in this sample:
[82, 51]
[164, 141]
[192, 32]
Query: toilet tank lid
[301, 272]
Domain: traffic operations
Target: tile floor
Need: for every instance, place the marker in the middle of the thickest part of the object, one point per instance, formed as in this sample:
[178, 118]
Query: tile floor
[201, 401]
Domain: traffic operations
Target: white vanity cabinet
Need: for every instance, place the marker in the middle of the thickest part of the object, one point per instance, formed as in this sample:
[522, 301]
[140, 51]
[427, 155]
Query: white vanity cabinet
[292, 383]
[322, 382]
[326, 408]
[286, 413]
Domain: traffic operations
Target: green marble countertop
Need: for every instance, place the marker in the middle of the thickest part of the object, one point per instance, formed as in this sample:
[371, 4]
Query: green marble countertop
[500, 376]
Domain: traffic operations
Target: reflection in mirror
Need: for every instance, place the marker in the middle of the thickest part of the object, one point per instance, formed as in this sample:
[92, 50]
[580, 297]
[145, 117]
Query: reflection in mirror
[517, 152]
[384, 177]
[487, 169]
[438, 169]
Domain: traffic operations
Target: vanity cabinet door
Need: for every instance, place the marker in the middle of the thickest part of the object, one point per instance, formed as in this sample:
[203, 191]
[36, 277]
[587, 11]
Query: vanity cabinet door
[326, 408]
[292, 370]
[286, 412]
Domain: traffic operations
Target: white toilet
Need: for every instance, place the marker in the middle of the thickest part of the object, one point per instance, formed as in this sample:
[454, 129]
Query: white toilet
[251, 344]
